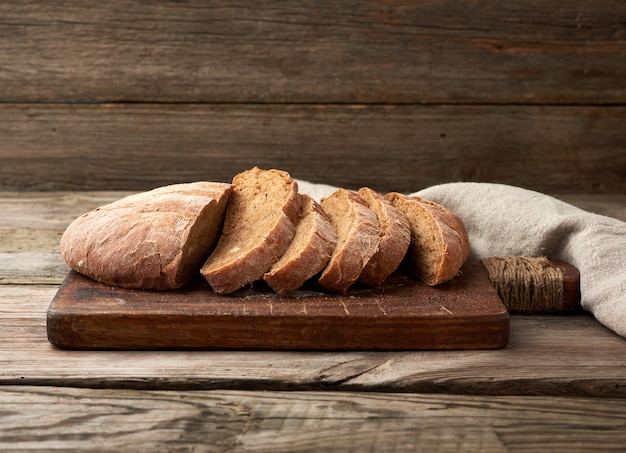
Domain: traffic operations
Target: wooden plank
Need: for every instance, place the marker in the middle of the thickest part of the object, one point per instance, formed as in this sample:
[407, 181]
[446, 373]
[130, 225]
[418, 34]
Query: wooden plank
[45, 418]
[137, 147]
[47, 213]
[351, 51]
[547, 355]
[402, 314]
[32, 268]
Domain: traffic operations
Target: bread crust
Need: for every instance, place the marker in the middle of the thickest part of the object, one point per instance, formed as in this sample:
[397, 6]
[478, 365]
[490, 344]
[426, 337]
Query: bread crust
[308, 253]
[437, 252]
[358, 239]
[395, 238]
[155, 240]
[259, 226]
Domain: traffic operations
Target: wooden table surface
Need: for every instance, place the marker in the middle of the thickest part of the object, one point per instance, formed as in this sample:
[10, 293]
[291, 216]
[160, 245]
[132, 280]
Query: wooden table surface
[560, 385]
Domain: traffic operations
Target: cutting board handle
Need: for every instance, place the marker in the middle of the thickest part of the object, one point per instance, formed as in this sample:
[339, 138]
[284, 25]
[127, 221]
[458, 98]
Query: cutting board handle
[534, 285]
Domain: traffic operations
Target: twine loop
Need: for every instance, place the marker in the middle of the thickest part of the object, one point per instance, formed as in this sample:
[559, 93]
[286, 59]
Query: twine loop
[526, 284]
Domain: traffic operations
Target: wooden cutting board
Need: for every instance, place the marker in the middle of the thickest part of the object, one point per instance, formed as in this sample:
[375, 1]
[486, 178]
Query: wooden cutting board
[465, 313]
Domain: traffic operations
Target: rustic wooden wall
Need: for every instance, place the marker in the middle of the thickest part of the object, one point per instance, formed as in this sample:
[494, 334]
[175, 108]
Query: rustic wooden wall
[397, 95]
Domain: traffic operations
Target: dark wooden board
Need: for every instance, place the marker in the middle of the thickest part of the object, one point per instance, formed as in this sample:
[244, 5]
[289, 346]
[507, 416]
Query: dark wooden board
[465, 313]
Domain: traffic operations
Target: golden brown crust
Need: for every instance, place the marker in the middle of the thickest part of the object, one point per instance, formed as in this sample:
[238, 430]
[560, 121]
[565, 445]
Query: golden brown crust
[308, 253]
[439, 241]
[154, 240]
[258, 228]
[358, 239]
[395, 238]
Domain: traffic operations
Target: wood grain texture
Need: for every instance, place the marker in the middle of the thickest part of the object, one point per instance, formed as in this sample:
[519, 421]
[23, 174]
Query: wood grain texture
[560, 385]
[402, 314]
[46, 418]
[547, 355]
[389, 148]
[331, 52]
[130, 95]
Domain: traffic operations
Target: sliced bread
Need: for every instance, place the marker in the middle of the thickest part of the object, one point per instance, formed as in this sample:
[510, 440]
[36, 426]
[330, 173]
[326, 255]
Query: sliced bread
[395, 238]
[358, 237]
[155, 240]
[259, 226]
[439, 241]
[308, 253]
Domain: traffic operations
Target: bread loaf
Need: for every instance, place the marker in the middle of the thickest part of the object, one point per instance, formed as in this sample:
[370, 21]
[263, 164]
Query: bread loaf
[358, 236]
[439, 241]
[395, 238]
[155, 240]
[259, 226]
[308, 253]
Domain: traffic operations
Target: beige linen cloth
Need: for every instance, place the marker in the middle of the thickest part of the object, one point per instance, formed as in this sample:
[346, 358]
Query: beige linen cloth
[504, 220]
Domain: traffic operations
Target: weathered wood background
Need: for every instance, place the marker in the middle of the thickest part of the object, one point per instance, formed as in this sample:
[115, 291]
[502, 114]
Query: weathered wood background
[396, 95]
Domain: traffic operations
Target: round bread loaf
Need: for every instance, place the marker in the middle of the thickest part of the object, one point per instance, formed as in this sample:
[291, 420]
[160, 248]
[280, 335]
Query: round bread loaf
[155, 240]
[259, 226]
[308, 253]
[439, 241]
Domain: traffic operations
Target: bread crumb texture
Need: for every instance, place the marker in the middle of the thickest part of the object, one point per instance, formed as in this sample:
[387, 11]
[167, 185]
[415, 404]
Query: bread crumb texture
[260, 228]
[395, 237]
[358, 234]
[308, 253]
[439, 242]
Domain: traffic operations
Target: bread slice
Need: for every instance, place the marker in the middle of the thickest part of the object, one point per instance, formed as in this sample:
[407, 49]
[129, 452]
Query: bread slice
[439, 241]
[308, 253]
[155, 240]
[395, 238]
[358, 236]
[258, 228]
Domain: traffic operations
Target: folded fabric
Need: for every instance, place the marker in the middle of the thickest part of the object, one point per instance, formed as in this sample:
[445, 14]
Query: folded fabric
[504, 220]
